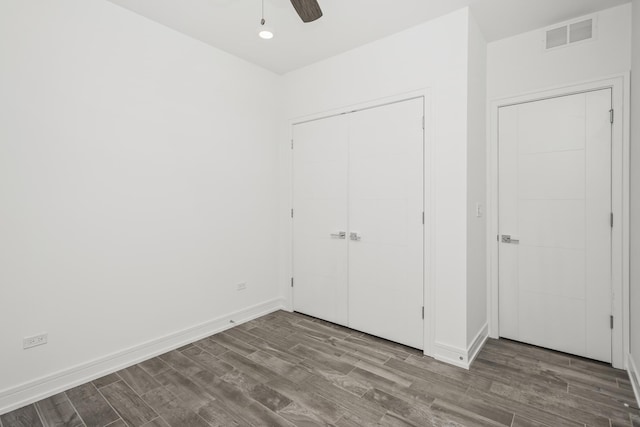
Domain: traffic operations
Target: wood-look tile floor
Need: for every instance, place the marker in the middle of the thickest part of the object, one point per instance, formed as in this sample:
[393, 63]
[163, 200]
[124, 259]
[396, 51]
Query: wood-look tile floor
[288, 369]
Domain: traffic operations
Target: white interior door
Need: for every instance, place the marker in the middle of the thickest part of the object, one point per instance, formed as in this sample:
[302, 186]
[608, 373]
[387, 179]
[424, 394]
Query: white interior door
[320, 262]
[385, 222]
[555, 203]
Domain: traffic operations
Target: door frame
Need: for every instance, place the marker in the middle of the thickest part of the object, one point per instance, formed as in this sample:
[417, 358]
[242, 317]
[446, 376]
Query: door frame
[428, 190]
[619, 85]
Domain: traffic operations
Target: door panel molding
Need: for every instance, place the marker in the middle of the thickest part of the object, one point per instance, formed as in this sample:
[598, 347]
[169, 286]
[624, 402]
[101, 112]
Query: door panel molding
[619, 85]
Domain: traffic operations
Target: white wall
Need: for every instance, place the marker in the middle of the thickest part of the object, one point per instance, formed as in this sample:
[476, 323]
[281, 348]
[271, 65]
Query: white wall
[432, 55]
[519, 64]
[476, 183]
[635, 190]
[138, 183]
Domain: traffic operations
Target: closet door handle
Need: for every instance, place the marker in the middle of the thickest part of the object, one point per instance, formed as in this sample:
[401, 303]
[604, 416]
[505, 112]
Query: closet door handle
[339, 235]
[355, 236]
[506, 238]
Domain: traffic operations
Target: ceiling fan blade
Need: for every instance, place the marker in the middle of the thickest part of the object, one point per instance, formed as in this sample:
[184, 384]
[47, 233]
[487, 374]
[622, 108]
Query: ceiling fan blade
[309, 10]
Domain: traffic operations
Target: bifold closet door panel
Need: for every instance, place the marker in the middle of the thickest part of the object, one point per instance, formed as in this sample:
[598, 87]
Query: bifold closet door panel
[320, 164]
[385, 213]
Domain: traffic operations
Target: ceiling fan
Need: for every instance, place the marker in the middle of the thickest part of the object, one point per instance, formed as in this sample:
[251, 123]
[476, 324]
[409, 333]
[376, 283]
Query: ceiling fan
[309, 10]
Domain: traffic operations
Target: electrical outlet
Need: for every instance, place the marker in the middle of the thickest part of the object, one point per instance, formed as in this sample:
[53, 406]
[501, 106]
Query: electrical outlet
[241, 286]
[34, 341]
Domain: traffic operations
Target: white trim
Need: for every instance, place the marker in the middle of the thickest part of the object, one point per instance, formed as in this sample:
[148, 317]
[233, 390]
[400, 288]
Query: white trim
[449, 354]
[429, 188]
[378, 102]
[620, 203]
[32, 391]
[428, 197]
[634, 377]
[458, 356]
[477, 343]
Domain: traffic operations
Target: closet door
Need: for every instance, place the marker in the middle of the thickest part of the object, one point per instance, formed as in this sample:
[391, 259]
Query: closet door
[385, 221]
[320, 163]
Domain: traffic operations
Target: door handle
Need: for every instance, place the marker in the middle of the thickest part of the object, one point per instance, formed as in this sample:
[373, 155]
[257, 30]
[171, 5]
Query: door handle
[354, 236]
[506, 238]
[339, 235]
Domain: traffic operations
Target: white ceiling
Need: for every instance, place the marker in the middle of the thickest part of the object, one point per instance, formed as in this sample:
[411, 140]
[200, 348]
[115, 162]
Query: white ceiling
[231, 25]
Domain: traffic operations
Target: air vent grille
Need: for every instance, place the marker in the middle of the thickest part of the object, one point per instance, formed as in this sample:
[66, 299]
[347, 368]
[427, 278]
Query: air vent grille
[582, 30]
[573, 32]
[556, 37]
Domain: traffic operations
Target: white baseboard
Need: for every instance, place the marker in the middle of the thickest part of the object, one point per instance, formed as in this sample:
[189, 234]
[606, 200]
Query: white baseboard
[24, 394]
[449, 354]
[461, 357]
[634, 377]
[287, 305]
[478, 342]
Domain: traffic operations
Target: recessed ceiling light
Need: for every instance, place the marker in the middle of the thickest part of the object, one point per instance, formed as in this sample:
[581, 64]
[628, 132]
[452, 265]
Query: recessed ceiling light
[265, 33]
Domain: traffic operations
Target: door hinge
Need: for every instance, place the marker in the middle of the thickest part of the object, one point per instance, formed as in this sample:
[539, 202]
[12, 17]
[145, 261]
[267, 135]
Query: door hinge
[292, 144]
[423, 123]
[611, 220]
[611, 115]
[422, 218]
[291, 212]
[292, 282]
[611, 321]
[423, 311]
